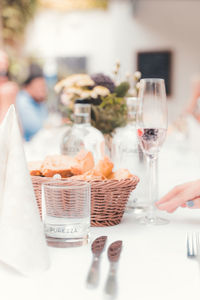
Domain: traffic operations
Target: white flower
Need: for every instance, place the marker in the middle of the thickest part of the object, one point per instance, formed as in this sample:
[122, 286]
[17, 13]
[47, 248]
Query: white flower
[100, 91]
[73, 90]
[76, 80]
[66, 98]
[137, 85]
[85, 94]
[137, 75]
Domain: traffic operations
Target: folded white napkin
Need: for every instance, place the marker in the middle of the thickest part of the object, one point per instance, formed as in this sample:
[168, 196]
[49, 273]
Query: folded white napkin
[22, 240]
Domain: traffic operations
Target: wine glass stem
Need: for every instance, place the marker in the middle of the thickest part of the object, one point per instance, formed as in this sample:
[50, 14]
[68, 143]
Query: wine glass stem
[153, 178]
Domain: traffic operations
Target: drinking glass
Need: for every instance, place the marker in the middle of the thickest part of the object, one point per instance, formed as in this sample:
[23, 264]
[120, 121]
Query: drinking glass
[151, 132]
[66, 212]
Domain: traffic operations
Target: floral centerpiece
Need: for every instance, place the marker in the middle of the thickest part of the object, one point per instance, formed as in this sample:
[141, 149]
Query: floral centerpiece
[107, 97]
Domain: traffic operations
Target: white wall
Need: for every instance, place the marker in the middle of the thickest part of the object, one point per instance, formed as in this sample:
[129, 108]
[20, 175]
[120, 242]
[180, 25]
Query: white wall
[118, 34]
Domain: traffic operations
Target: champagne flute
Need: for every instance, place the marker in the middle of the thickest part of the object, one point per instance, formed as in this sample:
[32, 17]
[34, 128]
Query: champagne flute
[151, 132]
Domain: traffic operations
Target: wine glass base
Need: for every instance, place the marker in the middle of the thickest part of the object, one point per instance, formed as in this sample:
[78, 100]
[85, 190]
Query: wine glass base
[149, 220]
[137, 209]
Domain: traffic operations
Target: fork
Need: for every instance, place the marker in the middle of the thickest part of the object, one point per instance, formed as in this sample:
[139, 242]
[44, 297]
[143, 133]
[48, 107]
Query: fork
[193, 245]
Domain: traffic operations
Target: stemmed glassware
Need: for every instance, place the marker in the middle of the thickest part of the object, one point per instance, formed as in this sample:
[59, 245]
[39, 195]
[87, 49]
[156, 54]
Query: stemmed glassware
[151, 131]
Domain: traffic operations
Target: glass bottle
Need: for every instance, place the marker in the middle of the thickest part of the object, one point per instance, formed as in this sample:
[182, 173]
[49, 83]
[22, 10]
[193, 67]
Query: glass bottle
[82, 135]
[127, 154]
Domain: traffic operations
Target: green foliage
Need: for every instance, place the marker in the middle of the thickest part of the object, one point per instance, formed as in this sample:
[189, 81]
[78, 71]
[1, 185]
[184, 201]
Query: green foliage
[15, 15]
[110, 114]
[122, 89]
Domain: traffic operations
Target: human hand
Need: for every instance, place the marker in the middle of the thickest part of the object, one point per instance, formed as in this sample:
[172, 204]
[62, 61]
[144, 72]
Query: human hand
[179, 196]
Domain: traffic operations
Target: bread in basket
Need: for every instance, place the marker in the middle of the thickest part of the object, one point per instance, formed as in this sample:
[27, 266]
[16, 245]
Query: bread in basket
[109, 190]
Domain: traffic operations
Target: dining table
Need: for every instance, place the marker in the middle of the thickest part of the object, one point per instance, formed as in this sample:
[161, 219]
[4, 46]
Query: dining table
[153, 264]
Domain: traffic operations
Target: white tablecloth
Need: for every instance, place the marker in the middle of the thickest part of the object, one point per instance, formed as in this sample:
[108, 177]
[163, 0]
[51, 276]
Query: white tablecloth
[153, 266]
[153, 263]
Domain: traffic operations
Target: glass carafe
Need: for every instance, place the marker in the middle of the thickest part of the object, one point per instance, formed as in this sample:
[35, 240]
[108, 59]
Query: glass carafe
[126, 153]
[82, 135]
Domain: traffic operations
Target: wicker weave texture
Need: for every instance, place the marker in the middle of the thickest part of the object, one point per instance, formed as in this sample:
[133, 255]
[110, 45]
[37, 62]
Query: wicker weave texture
[108, 198]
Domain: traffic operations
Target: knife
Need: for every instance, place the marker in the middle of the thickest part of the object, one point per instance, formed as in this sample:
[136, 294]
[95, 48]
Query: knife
[97, 248]
[114, 252]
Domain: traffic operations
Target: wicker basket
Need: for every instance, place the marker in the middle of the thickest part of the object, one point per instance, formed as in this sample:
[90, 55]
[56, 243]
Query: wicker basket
[108, 198]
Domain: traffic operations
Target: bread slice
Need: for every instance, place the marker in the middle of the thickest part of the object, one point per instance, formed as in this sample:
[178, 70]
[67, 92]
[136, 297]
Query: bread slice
[64, 165]
[34, 168]
[120, 174]
[104, 167]
[67, 166]
[85, 161]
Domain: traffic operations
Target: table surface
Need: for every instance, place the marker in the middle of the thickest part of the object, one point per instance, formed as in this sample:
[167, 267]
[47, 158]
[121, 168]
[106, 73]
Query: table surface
[153, 263]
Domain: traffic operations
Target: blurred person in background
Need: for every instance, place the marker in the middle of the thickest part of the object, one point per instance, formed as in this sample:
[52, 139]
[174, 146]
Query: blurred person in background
[30, 103]
[194, 103]
[8, 89]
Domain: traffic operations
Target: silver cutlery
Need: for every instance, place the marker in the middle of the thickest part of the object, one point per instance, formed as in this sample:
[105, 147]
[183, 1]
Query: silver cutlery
[193, 246]
[97, 248]
[114, 252]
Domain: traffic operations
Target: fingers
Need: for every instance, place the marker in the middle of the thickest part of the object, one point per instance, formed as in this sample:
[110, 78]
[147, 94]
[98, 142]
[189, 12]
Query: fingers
[169, 206]
[179, 195]
[169, 195]
[179, 199]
